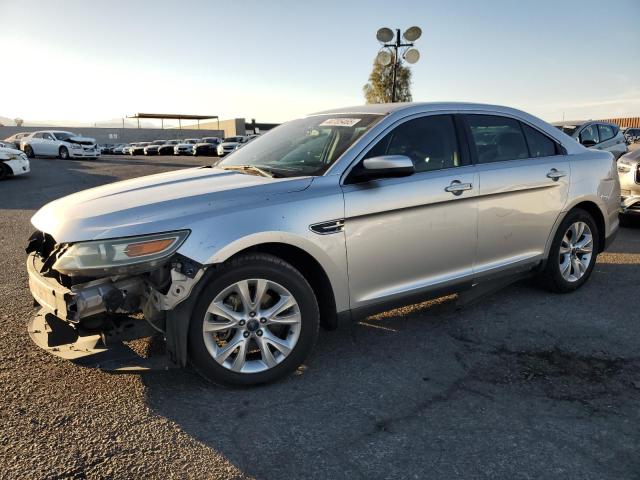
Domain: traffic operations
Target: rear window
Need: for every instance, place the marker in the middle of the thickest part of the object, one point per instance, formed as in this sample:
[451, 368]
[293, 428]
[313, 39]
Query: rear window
[497, 139]
[606, 132]
[539, 144]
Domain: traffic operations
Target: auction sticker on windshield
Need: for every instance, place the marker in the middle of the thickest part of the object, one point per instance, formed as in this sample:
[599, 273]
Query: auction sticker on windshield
[339, 122]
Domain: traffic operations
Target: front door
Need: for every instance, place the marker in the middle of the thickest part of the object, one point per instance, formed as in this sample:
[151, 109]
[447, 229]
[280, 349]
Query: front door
[412, 235]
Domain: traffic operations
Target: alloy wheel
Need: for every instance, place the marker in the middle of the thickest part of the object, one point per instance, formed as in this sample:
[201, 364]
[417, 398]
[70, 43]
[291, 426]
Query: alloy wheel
[252, 325]
[576, 250]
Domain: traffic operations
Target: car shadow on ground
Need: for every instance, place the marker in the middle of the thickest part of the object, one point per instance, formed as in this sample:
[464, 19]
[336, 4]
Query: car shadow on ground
[519, 381]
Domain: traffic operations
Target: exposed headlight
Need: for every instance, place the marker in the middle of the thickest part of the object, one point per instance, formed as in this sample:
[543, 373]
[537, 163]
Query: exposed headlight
[13, 156]
[119, 255]
[76, 146]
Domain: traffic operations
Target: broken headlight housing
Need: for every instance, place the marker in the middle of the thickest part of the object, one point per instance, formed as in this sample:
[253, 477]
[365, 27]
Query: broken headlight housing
[119, 256]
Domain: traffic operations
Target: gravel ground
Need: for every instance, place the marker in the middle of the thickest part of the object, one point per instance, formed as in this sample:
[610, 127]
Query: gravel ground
[520, 384]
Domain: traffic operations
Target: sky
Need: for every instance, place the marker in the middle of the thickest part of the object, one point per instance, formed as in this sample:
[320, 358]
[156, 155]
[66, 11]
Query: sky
[82, 61]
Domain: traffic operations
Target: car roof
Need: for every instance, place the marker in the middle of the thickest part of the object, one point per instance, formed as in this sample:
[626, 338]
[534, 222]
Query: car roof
[387, 108]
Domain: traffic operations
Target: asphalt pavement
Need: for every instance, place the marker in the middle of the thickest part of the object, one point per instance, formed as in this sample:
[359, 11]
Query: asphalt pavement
[521, 384]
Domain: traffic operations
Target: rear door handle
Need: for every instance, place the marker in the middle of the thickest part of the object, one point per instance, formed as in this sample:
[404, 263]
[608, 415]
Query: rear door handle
[556, 174]
[457, 187]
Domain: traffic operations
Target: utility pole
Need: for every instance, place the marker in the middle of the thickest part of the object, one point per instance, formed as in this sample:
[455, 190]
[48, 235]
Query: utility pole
[411, 55]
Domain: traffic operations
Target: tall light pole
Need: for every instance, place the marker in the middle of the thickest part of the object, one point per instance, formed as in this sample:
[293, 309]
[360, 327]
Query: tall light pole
[385, 57]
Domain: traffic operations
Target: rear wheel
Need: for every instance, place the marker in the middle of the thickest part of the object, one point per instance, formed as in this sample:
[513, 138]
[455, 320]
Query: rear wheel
[63, 153]
[4, 171]
[254, 323]
[573, 253]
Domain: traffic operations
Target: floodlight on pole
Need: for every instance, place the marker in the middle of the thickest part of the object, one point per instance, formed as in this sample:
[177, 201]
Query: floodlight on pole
[385, 57]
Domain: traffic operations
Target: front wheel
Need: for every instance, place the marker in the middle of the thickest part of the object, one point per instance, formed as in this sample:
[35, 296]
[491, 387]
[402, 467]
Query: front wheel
[63, 153]
[29, 151]
[254, 323]
[573, 253]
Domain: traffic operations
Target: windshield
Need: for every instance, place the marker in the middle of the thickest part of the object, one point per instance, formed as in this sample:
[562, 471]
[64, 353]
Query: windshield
[568, 129]
[63, 135]
[307, 146]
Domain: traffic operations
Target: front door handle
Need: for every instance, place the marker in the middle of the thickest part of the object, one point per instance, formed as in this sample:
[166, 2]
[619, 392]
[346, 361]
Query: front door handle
[457, 187]
[556, 174]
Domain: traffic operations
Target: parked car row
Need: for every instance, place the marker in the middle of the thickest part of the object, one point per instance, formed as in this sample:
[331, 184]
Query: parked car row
[210, 146]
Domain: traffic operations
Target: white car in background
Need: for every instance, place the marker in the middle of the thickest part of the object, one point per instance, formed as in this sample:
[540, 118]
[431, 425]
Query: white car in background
[12, 162]
[16, 138]
[230, 144]
[186, 147]
[60, 144]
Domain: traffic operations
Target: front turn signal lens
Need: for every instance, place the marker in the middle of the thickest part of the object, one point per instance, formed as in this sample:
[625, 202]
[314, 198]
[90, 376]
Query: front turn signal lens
[147, 248]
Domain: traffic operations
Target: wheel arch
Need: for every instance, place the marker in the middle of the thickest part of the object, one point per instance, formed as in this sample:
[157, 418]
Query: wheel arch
[178, 319]
[593, 209]
[590, 207]
[311, 269]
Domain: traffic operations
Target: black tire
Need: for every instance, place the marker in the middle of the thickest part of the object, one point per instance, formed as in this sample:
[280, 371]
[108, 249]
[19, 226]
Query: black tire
[628, 221]
[551, 278]
[63, 153]
[29, 151]
[4, 171]
[251, 266]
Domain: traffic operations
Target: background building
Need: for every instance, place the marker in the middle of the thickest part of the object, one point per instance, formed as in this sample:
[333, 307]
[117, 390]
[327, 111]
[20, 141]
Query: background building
[115, 135]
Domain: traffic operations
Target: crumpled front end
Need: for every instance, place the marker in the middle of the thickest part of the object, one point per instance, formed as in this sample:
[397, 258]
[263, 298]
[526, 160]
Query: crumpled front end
[89, 316]
[629, 174]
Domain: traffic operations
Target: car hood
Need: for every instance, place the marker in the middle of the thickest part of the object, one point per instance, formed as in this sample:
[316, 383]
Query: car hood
[157, 203]
[230, 144]
[81, 140]
[14, 151]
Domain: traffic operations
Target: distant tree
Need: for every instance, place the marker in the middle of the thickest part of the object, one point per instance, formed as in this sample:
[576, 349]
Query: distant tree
[378, 89]
[18, 121]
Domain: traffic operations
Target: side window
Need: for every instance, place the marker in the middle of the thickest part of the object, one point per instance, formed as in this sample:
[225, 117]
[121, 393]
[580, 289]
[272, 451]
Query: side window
[606, 132]
[589, 135]
[496, 138]
[539, 144]
[431, 143]
[47, 136]
[37, 135]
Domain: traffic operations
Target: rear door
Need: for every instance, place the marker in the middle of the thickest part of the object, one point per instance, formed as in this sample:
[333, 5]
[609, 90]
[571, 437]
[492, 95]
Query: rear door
[524, 183]
[35, 142]
[415, 234]
[49, 144]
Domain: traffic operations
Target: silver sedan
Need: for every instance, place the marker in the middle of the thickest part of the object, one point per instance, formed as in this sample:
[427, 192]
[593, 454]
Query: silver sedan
[326, 218]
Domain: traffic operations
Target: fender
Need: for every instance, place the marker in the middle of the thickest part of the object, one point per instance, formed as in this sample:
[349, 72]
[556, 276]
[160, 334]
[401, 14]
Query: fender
[331, 256]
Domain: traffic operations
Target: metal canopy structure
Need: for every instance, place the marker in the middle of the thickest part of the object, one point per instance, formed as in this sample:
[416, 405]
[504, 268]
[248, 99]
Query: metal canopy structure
[174, 116]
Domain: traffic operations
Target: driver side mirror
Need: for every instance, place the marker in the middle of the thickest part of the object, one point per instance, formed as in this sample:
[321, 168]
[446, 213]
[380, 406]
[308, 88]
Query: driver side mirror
[588, 142]
[384, 166]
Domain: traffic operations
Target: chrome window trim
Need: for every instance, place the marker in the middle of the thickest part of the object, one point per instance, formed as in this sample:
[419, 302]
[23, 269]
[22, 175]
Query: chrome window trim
[395, 123]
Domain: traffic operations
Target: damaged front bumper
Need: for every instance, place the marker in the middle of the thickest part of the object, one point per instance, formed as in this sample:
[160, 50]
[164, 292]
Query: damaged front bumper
[88, 322]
